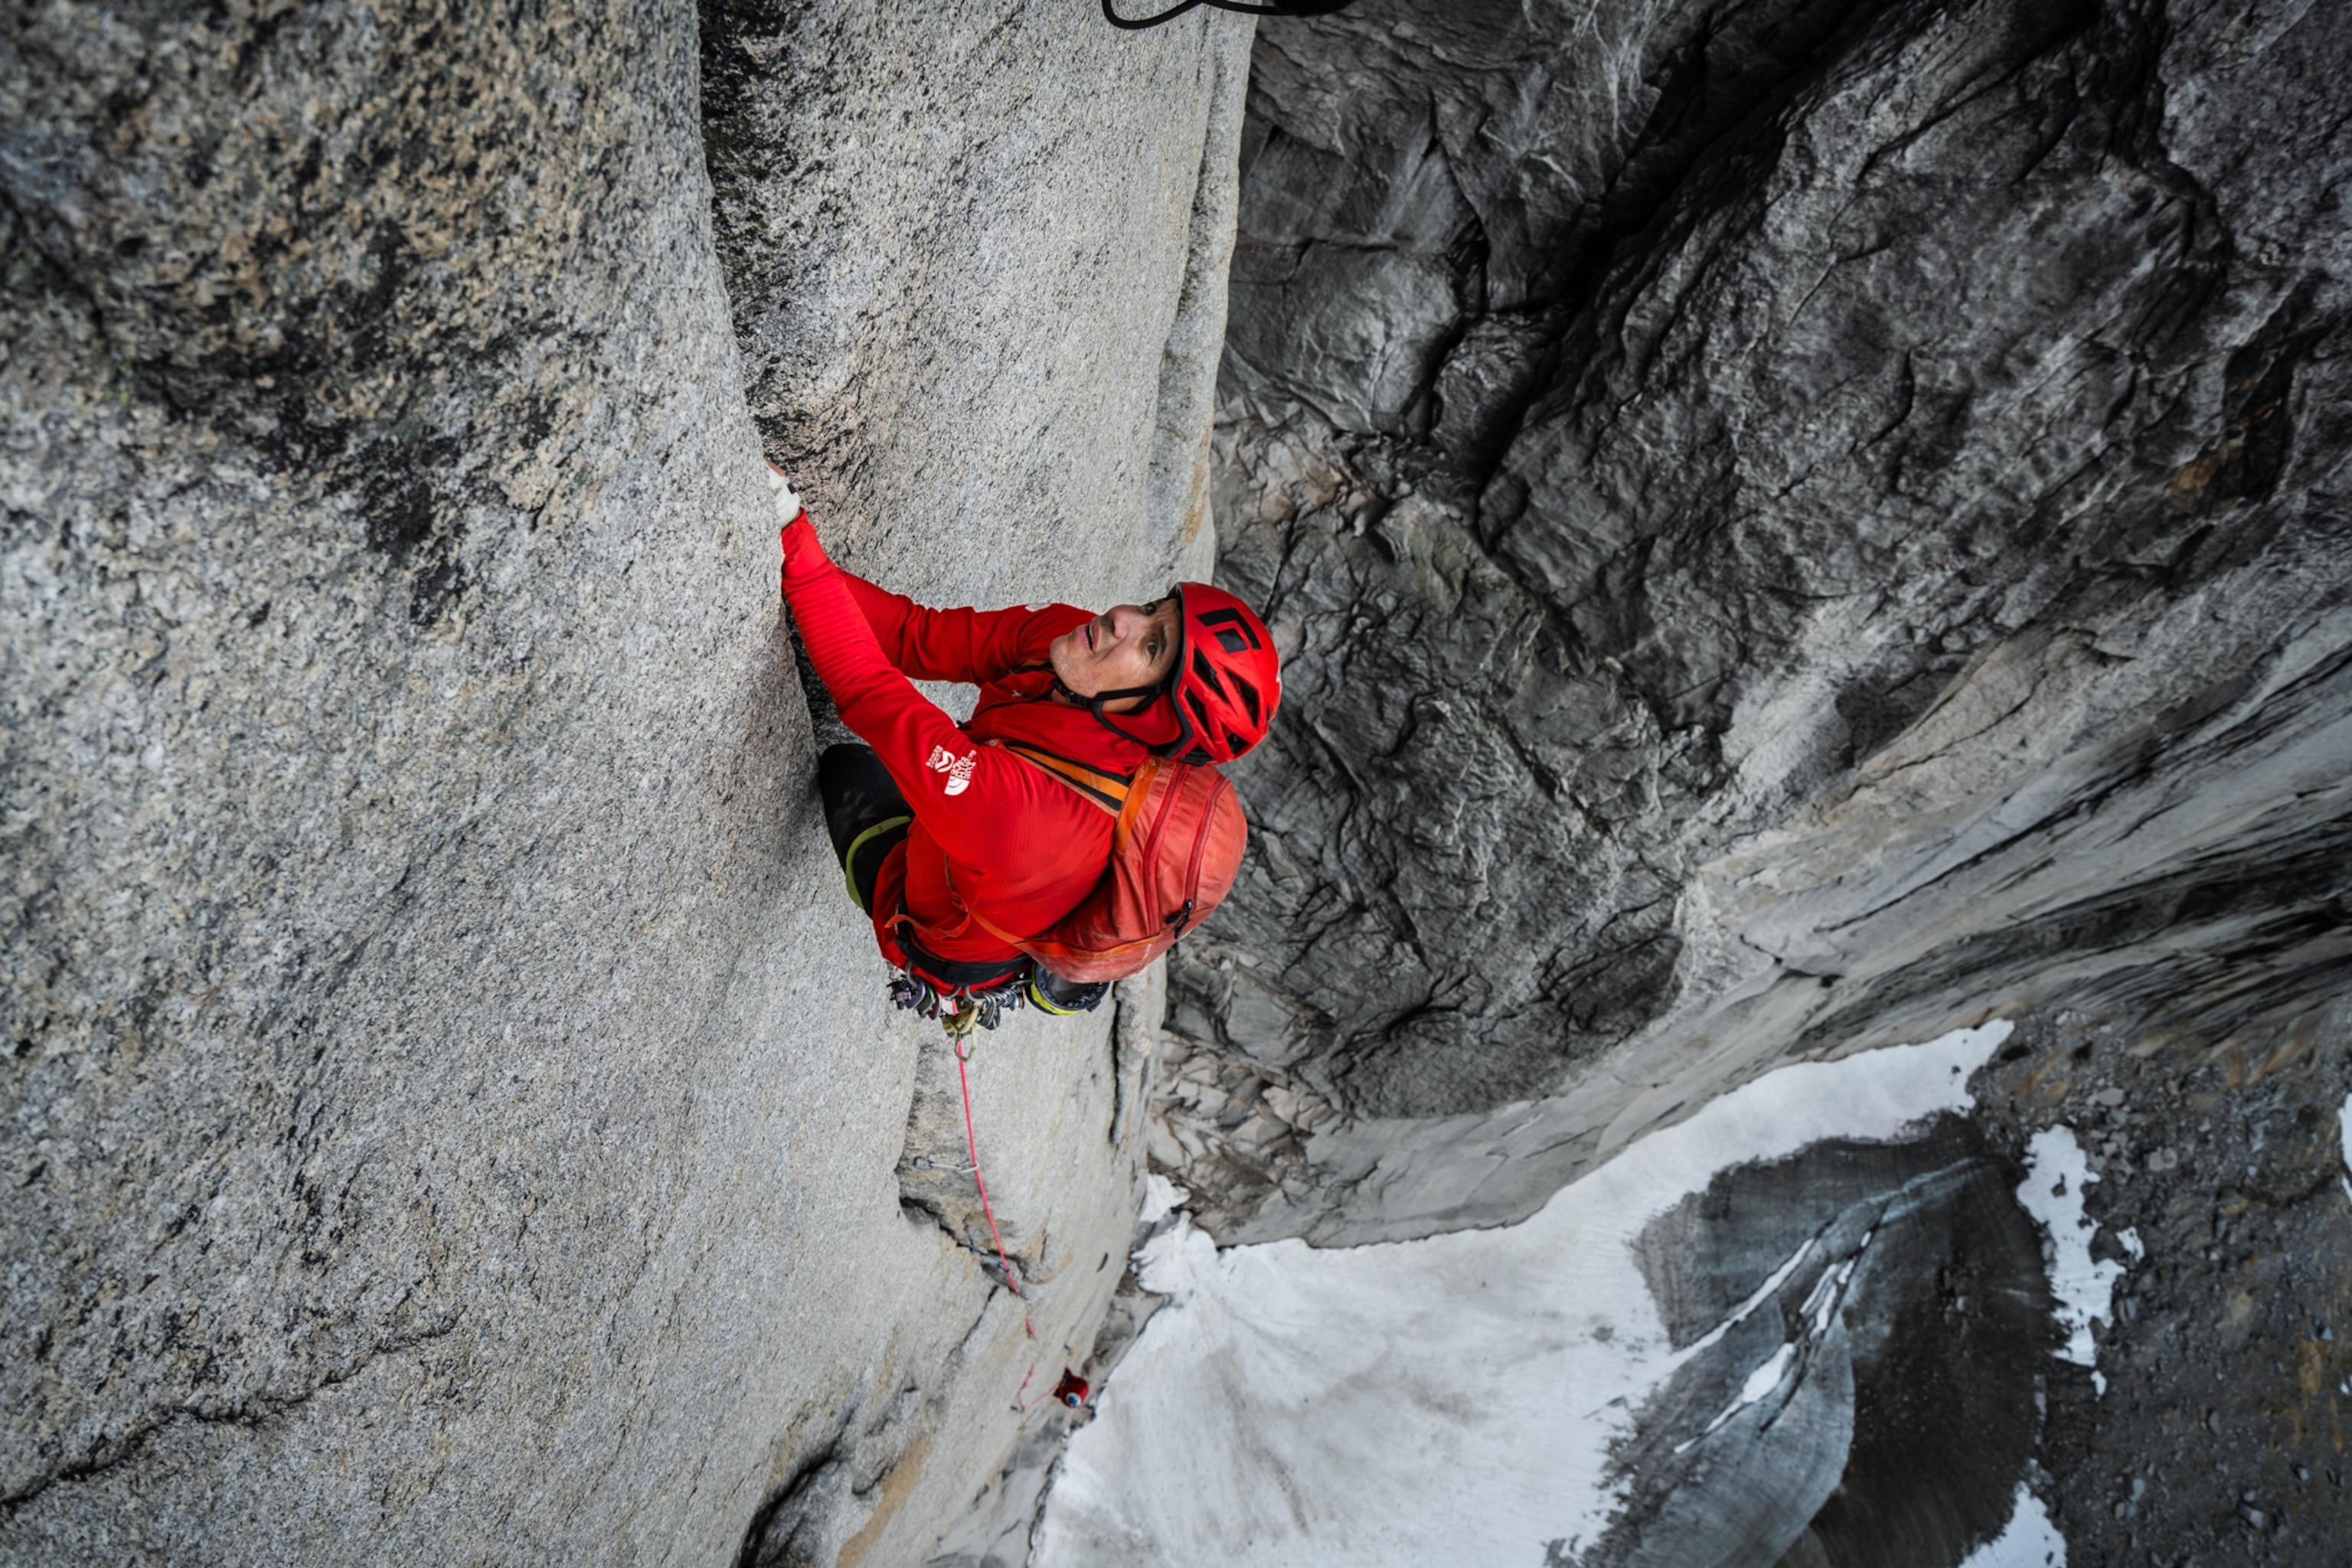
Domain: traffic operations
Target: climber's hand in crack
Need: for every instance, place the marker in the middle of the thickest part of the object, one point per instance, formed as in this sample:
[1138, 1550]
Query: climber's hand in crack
[788, 505]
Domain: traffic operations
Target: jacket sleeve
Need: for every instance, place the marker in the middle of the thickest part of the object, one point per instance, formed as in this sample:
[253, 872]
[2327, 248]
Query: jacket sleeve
[966, 793]
[970, 646]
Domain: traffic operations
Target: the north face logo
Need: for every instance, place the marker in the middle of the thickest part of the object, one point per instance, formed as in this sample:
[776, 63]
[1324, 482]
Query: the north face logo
[958, 769]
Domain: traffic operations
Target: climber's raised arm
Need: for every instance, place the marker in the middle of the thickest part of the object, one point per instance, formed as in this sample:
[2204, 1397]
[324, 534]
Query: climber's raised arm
[970, 646]
[966, 793]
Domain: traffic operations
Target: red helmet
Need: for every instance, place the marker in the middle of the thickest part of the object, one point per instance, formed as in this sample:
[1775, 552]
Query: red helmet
[1228, 679]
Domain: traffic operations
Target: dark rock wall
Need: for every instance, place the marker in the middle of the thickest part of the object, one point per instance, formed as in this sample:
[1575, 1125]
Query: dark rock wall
[1795, 528]
[1854, 451]
[2218, 1427]
[1907, 1288]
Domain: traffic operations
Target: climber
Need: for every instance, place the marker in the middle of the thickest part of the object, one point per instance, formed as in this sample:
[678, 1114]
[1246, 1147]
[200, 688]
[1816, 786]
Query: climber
[957, 841]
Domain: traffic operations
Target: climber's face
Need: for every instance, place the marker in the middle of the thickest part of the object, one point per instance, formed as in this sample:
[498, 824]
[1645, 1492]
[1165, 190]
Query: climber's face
[1126, 647]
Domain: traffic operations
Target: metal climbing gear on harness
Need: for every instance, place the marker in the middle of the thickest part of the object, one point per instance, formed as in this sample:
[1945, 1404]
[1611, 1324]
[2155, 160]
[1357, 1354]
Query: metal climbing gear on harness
[962, 1009]
[1281, 8]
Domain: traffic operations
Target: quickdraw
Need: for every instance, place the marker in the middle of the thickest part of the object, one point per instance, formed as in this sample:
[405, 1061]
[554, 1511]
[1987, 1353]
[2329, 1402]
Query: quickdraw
[960, 1010]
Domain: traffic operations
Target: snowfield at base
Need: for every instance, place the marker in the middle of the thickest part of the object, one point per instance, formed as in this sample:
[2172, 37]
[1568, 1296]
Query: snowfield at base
[1450, 1400]
[2030, 1542]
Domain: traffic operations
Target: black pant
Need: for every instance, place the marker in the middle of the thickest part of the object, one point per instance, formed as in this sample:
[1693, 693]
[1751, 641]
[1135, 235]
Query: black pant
[865, 815]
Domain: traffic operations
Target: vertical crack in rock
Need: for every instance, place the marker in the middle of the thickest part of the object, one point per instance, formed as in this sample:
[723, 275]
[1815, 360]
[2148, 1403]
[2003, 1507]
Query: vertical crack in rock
[781, 1533]
[980, 330]
[423, 984]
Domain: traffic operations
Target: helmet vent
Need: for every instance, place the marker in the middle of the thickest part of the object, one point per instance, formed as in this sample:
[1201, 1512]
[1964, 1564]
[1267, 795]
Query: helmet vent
[1233, 633]
[1207, 672]
[1248, 695]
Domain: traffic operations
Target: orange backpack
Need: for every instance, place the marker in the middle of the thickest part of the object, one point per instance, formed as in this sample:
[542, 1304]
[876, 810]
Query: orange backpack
[1174, 855]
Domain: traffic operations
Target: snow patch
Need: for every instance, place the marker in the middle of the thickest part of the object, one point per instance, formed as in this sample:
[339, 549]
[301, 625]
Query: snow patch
[2345, 1118]
[1161, 1197]
[2031, 1540]
[2057, 1172]
[1448, 1400]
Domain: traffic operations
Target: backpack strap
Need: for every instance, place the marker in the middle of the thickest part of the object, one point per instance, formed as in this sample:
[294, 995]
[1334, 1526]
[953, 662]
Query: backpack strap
[1105, 788]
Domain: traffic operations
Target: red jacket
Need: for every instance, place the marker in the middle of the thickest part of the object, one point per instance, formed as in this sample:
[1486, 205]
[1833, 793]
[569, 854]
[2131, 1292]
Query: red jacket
[991, 833]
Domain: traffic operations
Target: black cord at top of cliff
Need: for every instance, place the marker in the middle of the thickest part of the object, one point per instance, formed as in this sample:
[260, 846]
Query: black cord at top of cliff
[1280, 8]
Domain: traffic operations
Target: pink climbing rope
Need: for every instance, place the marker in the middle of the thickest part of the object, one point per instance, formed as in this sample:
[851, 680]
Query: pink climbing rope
[1011, 1280]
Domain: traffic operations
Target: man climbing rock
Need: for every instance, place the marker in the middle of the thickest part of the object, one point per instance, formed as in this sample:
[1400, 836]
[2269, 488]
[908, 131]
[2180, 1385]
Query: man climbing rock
[985, 852]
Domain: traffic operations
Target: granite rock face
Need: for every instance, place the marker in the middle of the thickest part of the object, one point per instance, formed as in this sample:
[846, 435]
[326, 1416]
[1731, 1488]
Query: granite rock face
[451, 1113]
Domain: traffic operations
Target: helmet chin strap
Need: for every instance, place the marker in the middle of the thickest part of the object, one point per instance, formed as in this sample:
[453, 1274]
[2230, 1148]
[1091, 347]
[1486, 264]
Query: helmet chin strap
[1094, 704]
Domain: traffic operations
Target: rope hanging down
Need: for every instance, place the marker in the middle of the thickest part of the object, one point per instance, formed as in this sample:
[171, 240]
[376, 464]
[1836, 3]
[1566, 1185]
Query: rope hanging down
[959, 1045]
[1279, 8]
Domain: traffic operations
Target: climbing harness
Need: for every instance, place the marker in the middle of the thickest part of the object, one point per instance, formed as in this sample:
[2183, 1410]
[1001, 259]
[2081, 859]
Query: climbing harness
[1292, 8]
[962, 1045]
[959, 1010]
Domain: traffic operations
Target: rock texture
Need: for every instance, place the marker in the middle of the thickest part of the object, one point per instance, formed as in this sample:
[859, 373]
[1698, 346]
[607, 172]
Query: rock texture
[1896, 1293]
[451, 1113]
[1797, 527]
[1862, 444]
